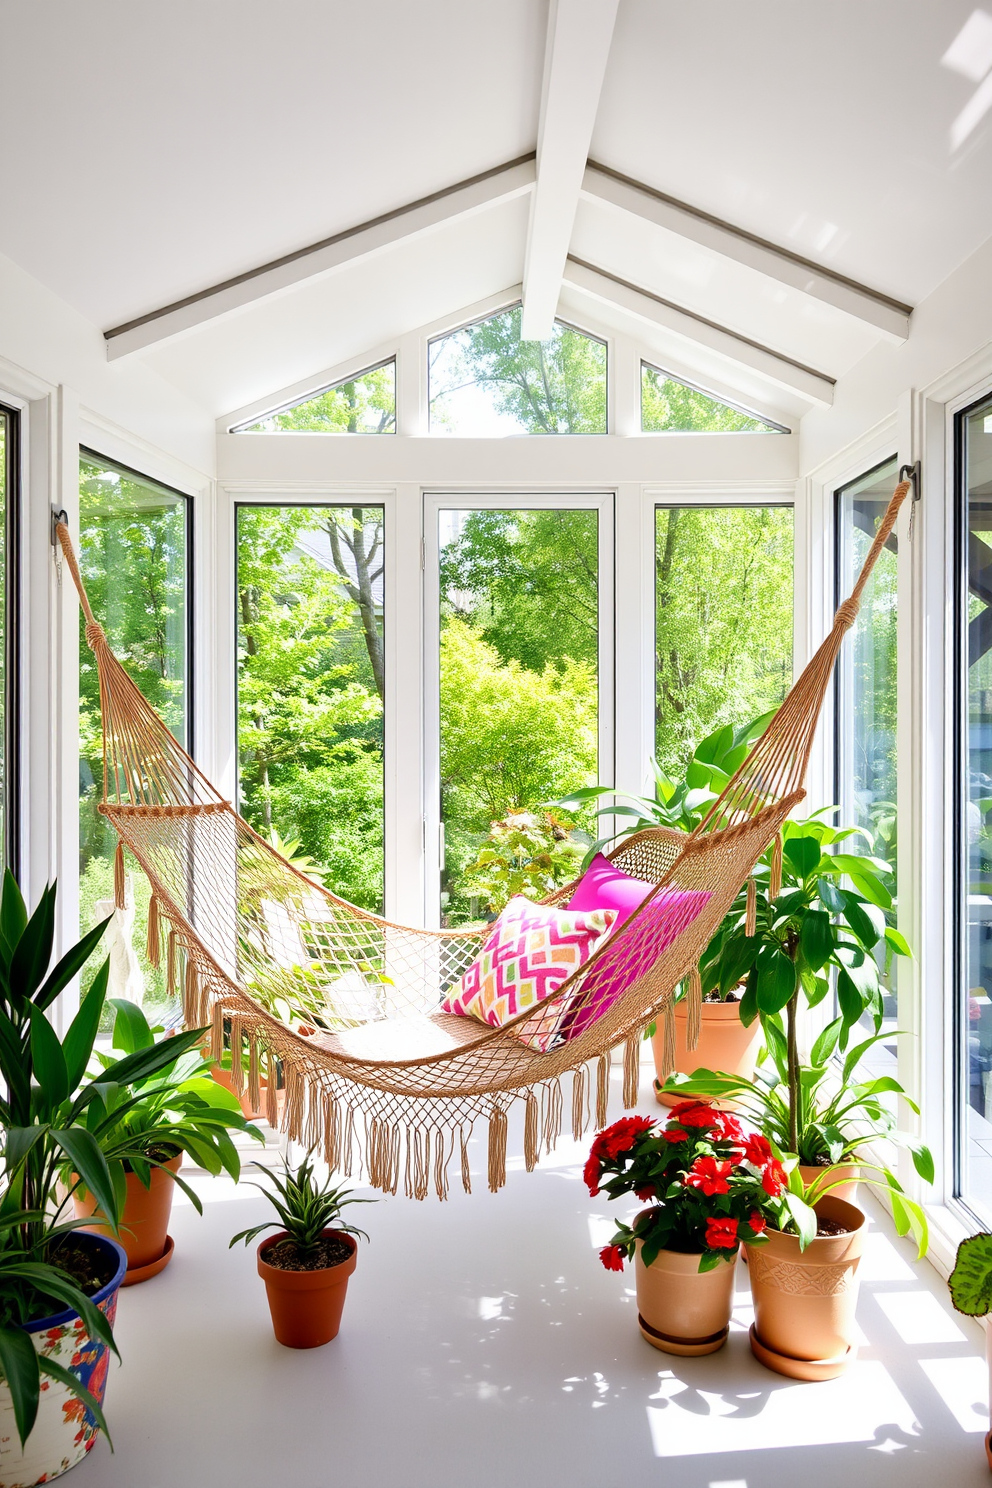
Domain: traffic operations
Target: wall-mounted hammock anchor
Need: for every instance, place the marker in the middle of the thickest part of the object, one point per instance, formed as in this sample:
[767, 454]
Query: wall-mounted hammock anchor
[914, 474]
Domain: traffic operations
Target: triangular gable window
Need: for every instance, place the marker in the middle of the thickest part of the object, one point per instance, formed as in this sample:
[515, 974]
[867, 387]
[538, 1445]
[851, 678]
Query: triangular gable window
[365, 404]
[670, 406]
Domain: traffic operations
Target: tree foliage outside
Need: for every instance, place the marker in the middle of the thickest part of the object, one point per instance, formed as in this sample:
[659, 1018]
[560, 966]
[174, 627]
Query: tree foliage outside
[365, 405]
[723, 620]
[672, 407]
[556, 386]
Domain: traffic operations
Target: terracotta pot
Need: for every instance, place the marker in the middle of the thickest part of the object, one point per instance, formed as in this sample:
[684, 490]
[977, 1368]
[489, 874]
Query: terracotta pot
[724, 1044]
[144, 1223]
[306, 1306]
[804, 1301]
[682, 1310]
[224, 1077]
[845, 1175]
[64, 1430]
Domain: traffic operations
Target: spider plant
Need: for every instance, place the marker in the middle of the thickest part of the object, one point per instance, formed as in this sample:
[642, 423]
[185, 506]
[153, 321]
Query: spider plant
[305, 1208]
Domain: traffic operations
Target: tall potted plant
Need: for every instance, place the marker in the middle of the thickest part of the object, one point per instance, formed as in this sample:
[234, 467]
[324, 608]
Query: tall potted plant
[971, 1293]
[144, 1128]
[58, 1287]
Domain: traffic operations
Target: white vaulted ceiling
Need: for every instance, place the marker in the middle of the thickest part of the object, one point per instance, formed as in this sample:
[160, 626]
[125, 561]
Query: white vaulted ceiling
[163, 148]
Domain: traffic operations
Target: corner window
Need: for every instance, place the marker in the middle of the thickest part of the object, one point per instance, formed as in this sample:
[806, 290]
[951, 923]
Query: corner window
[134, 554]
[365, 404]
[672, 406]
[485, 382]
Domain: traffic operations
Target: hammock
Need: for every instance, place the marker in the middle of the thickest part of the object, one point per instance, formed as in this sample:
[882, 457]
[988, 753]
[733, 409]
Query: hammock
[334, 1010]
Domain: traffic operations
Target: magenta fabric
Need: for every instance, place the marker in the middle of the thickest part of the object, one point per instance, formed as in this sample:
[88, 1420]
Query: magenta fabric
[626, 956]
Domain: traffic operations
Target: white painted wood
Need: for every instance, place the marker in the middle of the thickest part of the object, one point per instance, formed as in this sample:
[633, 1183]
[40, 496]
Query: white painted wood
[628, 197]
[347, 248]
[815, 386]
[579, 35]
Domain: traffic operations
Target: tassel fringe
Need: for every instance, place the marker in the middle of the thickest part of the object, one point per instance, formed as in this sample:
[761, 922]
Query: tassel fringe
[464, 1132]
[631, 1070]
[532, 1131]
[579, 1116]
[668, 1060]
[497, 1148]
[693, 1008]
[602, 1089]
[170, 975]
[751, 916]
[272, 1091]
[119, 882]
[254, 1076]
[153, 946]
[775, 877]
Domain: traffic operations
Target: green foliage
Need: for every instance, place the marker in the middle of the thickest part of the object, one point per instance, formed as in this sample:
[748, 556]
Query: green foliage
[971, 1280]
[141, 1124]
[365, 405]
[526, 853]
[669, 406]
[556, 386]
[305, 1208]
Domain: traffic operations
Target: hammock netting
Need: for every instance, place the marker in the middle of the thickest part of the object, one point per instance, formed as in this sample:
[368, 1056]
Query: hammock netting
[332, 1012]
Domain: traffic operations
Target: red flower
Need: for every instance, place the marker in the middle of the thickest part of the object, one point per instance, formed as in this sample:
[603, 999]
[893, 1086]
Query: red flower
[621, 1136]
[694, 1113]
[757, 1149]
[709, 1176]
[647, 1192]
[591, 1173]
[721, 1234]
[757, 1222]
[773, 1179]
[671, 1134]
[612, 1257]
[730, 1127]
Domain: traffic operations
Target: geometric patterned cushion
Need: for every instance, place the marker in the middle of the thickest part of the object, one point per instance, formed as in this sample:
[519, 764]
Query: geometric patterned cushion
[531, 950]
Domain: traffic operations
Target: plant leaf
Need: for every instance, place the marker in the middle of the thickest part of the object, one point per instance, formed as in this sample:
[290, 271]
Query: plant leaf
[19, 1363]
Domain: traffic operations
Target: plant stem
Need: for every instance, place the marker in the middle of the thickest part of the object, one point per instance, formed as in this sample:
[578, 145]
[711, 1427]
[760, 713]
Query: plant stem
[793, 1068]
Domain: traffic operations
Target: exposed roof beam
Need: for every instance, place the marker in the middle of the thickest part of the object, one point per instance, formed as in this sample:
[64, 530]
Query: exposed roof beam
[476, 194]
[605, 186]
[579, 35]
[817, 387]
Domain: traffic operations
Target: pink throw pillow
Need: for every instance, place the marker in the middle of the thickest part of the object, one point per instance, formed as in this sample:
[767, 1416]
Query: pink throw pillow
[530, 951]
[627, 954]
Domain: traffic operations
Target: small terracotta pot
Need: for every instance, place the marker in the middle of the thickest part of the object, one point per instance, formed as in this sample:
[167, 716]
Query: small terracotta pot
[682, 1310]
[724, 1044]
[257, 1113]
[804, 1301]
[306, 1306]
[844, 1175]
[144, 1222]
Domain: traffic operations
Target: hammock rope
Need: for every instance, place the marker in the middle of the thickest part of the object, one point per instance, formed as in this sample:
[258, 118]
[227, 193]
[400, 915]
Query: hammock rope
[332, 1011]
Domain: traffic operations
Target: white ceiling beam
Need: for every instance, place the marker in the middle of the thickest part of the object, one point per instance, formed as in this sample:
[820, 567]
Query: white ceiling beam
[579, 35]
[781, 370]
[608, 188]
[478, 194]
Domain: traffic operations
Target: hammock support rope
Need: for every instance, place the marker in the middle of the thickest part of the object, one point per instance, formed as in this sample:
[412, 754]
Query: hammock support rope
[334, 1010]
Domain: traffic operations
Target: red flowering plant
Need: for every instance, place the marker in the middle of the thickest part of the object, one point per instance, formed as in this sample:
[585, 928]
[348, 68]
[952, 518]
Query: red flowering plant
[707, 1182]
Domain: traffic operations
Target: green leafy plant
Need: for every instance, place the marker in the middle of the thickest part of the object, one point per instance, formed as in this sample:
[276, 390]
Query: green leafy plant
[43, 1116]
[708, 1184]
[142, 1124]
[971, 1280]
[305, 1208]
[528, 852]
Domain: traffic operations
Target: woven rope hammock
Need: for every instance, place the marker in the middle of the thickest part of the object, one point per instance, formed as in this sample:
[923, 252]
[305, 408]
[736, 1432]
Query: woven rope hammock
[339, 1008]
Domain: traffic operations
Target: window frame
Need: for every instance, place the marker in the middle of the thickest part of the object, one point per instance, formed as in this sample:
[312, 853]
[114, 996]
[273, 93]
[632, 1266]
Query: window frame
[244, 426]
[645, 364]
[13, 825]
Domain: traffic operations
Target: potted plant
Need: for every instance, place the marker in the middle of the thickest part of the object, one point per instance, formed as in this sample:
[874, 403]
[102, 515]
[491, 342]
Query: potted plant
[306, 1265]
[144, 1127]
[58, 1287]
[971, 1293]
[708, 1187]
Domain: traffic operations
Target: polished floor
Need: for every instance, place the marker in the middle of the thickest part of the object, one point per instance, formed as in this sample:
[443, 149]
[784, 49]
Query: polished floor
[483, 1346]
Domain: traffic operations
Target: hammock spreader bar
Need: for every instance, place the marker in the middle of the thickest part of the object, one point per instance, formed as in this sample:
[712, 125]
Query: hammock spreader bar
[339, 1006]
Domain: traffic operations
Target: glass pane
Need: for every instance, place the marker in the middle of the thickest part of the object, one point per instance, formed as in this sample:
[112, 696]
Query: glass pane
[365, 405]
[486, 382]
[310, 689]
[723, 621]
[669, 406]
[133, 552]
[519, 701]
[866, 710]
[974, 1010]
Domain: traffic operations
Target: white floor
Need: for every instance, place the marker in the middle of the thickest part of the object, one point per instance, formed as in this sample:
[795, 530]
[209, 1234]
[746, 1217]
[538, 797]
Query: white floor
[483, 1345]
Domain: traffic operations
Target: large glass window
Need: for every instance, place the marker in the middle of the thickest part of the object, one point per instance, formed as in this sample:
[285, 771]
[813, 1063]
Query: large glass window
[486, 382]
[672, 406]
[723, 621]
[519, 705]
[9, 511]
[365, 404]
[311, 680]
[973, 998]
[866, 711]
[134, 555]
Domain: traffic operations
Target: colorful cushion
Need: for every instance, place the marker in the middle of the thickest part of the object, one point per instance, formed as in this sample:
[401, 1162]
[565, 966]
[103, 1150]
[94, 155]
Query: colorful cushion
[530, 951]
[628, 955]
